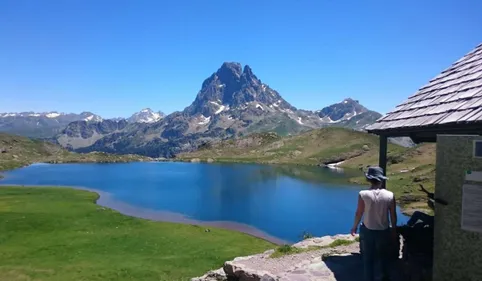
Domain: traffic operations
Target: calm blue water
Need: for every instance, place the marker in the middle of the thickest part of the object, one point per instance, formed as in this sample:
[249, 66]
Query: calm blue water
[281, 201]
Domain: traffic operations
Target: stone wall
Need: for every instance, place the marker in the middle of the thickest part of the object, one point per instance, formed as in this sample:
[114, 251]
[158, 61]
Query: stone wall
[457, 253]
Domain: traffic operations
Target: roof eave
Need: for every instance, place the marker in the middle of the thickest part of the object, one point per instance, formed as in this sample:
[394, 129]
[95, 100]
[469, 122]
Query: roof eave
[429, 133]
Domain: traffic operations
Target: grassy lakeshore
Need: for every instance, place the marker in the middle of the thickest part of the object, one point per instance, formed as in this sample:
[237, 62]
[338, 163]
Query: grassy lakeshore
[57, 234]
[17, 151]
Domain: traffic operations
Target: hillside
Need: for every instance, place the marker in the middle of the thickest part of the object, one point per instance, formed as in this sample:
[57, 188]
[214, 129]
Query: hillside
[17, 151]
[353, 150]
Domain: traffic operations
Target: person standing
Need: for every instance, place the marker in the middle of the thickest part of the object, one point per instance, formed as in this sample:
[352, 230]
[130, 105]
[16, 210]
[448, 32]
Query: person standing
[375, 205]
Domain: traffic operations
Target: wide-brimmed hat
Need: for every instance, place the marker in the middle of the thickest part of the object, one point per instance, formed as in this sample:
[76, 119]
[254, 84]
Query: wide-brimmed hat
[375, 173]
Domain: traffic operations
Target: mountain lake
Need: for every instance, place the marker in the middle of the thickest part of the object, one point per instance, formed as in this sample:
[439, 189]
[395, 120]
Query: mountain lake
[278, 203]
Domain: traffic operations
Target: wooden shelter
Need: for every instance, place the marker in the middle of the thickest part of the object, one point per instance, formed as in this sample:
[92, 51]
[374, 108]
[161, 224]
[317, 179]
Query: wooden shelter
[451, 103]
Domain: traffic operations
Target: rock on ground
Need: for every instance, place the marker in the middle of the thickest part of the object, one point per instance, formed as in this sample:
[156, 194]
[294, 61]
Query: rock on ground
[213, 275]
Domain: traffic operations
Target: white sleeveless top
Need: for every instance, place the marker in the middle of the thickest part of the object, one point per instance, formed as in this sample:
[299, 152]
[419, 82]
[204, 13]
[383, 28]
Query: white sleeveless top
[377, 202]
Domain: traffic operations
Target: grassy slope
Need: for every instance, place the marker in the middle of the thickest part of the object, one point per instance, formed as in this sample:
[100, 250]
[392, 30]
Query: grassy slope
[21, 151]
[60, 234]
[407, 166]
[313, 147]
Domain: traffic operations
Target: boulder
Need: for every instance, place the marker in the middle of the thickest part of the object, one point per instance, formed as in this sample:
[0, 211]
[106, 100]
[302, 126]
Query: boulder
[236, 271]
[210, 160]
[195, 160]
[213, 275]
[295, 153]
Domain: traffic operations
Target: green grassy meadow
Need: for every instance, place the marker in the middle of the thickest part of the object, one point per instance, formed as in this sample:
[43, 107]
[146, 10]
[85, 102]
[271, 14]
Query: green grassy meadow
[60, 234]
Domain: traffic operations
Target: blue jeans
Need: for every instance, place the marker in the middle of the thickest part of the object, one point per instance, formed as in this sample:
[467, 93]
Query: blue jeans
[374, 245]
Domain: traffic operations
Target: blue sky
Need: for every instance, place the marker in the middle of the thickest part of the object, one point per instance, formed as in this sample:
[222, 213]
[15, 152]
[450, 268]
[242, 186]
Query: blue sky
[115, 57]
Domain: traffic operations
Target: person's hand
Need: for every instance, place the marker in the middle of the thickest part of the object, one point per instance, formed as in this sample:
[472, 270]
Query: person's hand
[395, 237]
[353, 230]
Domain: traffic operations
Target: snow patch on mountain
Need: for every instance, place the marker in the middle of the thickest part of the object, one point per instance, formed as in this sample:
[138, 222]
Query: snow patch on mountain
[9, 115]
[93, 118]
[146, 115]
[52, 115]
[221, 107]
[204, 120]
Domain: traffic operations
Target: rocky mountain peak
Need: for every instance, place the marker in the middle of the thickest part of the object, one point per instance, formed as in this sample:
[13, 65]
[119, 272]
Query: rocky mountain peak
[350, 101]
[343, 110]
[249, 78]
[146, 115]
[230, 68]
[234, 87]
[247, 71]
[90, 117]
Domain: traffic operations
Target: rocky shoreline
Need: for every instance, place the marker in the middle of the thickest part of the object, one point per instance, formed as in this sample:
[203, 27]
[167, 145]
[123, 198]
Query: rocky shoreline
[327, 258]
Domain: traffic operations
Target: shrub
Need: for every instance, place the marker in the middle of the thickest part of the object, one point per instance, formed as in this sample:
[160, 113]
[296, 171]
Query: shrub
[340, 242]
[306, 235]
[285, 249]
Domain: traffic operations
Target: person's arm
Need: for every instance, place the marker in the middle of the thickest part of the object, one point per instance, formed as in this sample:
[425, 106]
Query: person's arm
[358, 214]
[393, 212]
[393, 217]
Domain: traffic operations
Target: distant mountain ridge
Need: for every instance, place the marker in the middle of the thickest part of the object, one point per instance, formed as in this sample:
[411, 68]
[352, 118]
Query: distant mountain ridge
[232, 102]
[49, 124]
[41, 125]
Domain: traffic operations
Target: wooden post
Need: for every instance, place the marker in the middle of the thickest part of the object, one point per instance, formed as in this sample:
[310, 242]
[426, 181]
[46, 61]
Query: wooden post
[382, 157]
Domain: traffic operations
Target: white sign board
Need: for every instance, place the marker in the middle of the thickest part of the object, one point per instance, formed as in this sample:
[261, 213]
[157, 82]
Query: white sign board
[473, 176]
[472, 207]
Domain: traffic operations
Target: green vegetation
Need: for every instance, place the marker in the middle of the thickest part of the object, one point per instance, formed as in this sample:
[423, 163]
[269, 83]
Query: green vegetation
[407, 167]
[57, 234]
[285, 250]
[16, 151]
[312, 148]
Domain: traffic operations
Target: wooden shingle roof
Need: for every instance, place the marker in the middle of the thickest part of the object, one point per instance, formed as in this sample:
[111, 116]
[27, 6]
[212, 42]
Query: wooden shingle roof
[451, 99]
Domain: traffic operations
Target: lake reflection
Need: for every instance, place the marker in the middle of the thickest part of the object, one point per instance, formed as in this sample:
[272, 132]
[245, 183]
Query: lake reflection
[282, 201]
